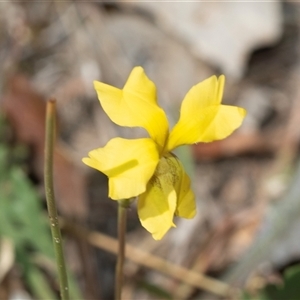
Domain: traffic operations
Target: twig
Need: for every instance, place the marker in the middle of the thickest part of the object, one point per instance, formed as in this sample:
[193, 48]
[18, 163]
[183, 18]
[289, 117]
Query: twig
[153, 262]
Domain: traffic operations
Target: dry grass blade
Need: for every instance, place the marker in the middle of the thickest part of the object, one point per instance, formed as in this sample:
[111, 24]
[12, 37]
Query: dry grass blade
[7, 257]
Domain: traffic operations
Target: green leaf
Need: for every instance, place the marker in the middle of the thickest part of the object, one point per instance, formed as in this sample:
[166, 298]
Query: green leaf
[290, 289]
[39, 285]
[23, 220]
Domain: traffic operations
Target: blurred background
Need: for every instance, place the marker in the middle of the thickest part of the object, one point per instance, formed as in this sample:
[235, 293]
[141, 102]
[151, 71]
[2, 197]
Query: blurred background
[246, 231]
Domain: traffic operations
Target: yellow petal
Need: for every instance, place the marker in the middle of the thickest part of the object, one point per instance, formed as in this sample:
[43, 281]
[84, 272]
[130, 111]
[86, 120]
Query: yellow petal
[129, 165]
[156, 207]
[186, 205]
[168, 193]
[206, 93]
[203, 118]
[135, 105]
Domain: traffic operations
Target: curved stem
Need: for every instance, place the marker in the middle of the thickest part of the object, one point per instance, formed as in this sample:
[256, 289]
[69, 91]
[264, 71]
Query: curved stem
[52, 211]
[122, 220]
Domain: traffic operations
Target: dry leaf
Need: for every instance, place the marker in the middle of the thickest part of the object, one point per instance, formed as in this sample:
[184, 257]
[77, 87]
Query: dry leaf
[25, 110]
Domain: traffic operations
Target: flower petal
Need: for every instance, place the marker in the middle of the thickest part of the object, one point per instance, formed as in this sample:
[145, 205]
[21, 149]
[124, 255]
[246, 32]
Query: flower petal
[205, 93]
[156, 207]
[203, 118]
[135, 105]
[186, 205]
[168, 193]
[129, 165]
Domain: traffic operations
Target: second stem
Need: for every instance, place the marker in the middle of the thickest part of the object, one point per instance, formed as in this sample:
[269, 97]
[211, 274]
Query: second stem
[122, 220]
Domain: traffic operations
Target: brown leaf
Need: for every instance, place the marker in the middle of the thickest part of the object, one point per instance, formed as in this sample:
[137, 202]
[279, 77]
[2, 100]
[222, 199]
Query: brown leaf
[25, 110]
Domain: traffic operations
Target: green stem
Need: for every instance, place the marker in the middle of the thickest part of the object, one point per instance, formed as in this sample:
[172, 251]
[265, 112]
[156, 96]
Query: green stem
[122, 219]
[52, 211]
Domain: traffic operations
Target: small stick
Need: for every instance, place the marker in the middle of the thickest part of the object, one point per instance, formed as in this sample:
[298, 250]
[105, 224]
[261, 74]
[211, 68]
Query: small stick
[153, 262]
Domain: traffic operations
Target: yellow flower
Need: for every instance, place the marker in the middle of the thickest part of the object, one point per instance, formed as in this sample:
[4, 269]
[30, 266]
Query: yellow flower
[146, 167]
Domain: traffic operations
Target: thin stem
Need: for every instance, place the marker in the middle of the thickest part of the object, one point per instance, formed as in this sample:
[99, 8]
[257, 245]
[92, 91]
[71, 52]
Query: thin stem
[122, 219]
[52, 211]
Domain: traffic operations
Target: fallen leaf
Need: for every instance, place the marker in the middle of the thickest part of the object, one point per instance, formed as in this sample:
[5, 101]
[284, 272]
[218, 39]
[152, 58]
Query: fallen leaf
[25, 110]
